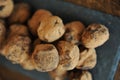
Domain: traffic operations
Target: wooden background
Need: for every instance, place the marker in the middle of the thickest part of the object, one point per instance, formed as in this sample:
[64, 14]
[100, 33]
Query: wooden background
[7, 74]
[117, 75]
[108, 6]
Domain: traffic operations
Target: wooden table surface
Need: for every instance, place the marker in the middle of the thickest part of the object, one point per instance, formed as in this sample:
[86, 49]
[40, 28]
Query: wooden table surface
[108, 6]
[7, 74]
[117, 75]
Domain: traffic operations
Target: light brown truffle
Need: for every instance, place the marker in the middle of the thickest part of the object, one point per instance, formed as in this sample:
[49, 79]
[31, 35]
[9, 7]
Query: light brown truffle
[51, 29]
[73, 32]
[20, 14]
[2, 34]
[17, 44]
[28, 64]
[86, 75]
[95, 35]
[58, 74]
[45, 57]
[80, 75]
[18, 29]
[69, 55]
[35, 21]
[88, 59]
[17, 48]
[6, 8]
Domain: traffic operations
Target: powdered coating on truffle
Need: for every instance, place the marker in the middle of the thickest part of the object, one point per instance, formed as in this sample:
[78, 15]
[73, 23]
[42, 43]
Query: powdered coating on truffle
[88, 59]
[51, 29]
[20, 14]
[95, 35]
[18, 29]
[6, 8]
[28, 64]
[69, 55]
[36, 19]
[17, 48]
[45, 57]
[73, 32]
[58, 74]
[86, 75]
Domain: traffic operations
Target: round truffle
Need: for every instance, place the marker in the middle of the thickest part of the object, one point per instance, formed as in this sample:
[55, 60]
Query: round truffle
[88, 59]
[28, 64]
[6, 8]
[36, 19]
[69, 55]
[17, 48]
[18, 29]
[51, 29]
[20, 14]
[73, 32]
[45, 57]
[95, 35]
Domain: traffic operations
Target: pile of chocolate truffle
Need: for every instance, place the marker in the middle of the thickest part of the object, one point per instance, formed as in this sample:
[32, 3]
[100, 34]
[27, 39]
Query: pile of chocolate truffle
[42, 42]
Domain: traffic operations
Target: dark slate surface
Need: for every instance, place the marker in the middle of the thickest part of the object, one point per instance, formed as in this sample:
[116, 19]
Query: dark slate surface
[108, 54]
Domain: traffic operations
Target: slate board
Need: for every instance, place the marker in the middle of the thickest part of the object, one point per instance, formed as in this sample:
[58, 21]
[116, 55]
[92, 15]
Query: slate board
[108, 54]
